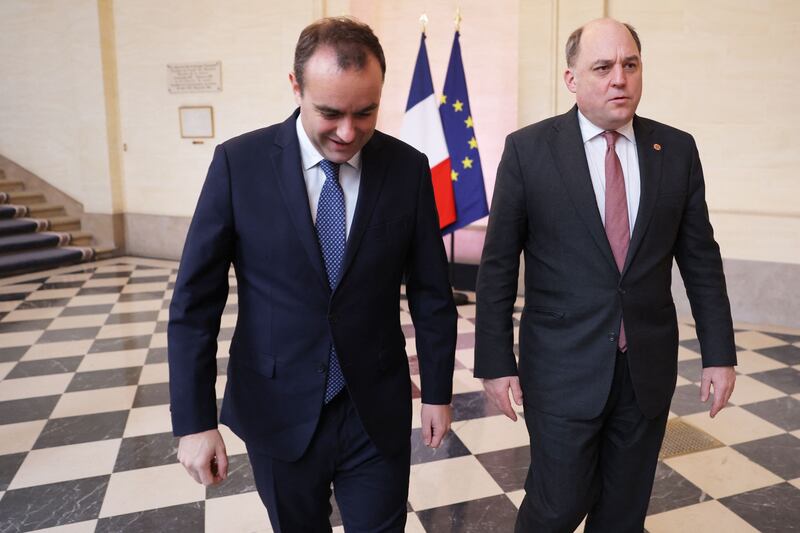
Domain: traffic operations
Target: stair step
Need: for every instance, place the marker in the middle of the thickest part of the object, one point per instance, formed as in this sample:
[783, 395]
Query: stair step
[22, 197]
[41, 259]
[11, 185]
[15, 226]
[32, 241]
[46, 210]
[12, 211]
[104, 252]
[63, 223]
[80, 238]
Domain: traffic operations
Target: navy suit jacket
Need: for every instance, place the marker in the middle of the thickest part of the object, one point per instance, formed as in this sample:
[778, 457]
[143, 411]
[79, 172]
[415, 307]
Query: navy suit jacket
[253, 213]
[544, 206]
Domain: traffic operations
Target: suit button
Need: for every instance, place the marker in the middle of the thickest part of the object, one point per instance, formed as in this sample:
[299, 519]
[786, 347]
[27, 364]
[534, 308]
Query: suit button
[622, 291]
[322, 368]
[612, 337]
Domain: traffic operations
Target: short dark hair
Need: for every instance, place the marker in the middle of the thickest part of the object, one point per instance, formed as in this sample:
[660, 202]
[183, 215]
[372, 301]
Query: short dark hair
[574, 43]
[351, 39]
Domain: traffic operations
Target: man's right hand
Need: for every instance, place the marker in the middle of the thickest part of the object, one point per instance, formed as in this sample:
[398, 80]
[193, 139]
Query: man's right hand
[497, 390]
[203, 456]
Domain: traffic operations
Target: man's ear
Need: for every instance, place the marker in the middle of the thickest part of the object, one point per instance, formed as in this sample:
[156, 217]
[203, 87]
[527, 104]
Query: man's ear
[569, 80]
[298, 92]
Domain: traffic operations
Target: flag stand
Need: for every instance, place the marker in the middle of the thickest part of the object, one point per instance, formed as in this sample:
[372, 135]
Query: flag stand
[458, 297]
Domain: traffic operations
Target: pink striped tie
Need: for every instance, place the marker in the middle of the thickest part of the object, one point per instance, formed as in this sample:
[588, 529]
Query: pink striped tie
[617, 225]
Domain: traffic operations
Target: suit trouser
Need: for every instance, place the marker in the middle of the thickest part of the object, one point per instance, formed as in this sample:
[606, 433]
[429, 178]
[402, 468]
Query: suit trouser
[371, 491]
[602, 466]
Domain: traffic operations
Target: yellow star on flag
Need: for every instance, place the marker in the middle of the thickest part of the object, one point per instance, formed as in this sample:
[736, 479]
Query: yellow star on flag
[473, 143]
[453, 175]
[467, 162]
[458, 105]
[443, 99]
[468, 122]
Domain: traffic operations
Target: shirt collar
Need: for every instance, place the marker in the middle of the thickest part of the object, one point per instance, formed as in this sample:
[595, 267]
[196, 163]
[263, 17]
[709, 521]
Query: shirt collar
[589, 131]
[310, 156]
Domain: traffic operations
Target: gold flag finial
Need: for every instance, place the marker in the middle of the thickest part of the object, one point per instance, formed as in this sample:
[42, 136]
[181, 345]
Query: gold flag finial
[423, 19]
[458, 19]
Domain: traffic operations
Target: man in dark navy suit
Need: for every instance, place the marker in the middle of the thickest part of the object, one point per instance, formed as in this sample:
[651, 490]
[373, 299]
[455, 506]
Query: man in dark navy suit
[600, 202]
[322, 218]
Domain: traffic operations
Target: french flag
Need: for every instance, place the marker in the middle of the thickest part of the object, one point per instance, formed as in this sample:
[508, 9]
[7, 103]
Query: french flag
[422, 129]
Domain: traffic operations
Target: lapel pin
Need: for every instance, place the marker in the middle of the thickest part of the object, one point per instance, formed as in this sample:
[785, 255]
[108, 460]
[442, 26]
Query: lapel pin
[657, 147]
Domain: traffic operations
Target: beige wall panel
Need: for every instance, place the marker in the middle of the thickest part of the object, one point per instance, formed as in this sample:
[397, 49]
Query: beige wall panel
[52, 111]
[255, 42]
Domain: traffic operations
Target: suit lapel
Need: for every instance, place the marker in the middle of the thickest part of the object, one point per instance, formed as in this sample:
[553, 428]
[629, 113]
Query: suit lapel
[287, 165]
[650, 175]
[566, 145]
[373, 173]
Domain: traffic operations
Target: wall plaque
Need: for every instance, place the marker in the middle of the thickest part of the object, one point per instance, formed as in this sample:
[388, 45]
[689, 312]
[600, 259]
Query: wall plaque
[204, 77]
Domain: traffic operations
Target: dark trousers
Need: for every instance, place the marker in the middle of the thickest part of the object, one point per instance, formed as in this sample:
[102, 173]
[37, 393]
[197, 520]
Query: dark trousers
[603, 466]
[371, 491]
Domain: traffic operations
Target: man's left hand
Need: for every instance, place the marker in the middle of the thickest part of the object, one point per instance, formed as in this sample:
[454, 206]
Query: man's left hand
[435, 423]
[722, 378]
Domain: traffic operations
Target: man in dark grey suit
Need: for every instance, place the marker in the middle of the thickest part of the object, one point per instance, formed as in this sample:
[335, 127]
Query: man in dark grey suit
[600, 201]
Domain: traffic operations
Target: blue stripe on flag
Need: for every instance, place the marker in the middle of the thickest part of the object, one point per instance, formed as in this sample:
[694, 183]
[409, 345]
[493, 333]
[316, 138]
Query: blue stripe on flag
[421, 82]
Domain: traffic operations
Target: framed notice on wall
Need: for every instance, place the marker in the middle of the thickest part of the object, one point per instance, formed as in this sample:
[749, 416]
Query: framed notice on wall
[197, 122]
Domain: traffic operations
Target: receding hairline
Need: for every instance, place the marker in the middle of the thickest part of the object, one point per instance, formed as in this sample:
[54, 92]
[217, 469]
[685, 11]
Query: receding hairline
[572, 47]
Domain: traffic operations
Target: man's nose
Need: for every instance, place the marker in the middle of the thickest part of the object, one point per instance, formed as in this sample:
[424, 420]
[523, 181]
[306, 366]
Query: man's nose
[346, 130]
[618, 78]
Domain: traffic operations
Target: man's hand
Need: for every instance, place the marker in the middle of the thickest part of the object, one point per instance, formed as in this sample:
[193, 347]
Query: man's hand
[497, 390]
[435, 423]
[722, 378]
[203, 456]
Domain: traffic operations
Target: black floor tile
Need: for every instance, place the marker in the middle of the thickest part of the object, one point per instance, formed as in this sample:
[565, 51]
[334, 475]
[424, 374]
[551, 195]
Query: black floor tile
[690, 369]
[784, 412]
[89, 291]
[451, 446]
[225, 334]
[84, 428]
[465, 340]
[222, 366]
[686, 401]
[72, 334]
[161, 327]
[784, 379]
[12, 296]
[43, 367]
[187, 518]
[691, 344]
[779, 454]
[42, 304]
[52, 505]
[671, 491]
[81, 310]
[25, 410]
[12, 354]
[472, 405]
[146, 451]
[156, 355]
[787, 354]
[61, 285]
[155, 394]
[141, 296]
[508, 468]
[132, 318]
[108, 275]
[121, 343]
[785, 337]
[24, 325]
[773, 509]
[148, 279]
[103, 379]
[9, 464]
[240, 478]
[495, 514]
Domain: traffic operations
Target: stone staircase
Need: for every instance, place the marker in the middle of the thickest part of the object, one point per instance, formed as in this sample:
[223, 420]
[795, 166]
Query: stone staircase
[36, 235]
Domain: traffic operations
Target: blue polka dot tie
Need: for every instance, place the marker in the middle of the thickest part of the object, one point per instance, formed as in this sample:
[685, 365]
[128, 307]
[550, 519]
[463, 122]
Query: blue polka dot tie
[332, 235]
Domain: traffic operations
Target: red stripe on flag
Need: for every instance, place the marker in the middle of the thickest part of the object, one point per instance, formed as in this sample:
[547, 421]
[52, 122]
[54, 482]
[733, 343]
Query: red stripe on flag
[443, 193]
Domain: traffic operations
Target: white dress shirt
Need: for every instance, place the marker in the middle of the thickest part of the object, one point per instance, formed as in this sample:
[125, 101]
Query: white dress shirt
[349, 177]
[595, 146]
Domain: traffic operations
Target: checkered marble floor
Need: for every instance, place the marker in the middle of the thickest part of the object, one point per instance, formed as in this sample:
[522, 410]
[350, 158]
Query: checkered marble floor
[85, 442]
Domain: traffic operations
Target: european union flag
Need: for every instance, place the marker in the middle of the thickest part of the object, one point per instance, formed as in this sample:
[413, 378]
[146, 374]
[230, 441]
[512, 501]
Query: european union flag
[459, 133]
